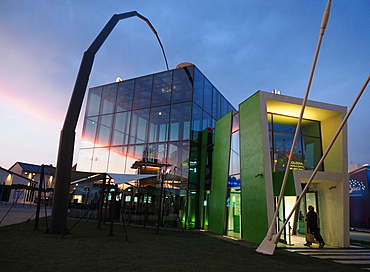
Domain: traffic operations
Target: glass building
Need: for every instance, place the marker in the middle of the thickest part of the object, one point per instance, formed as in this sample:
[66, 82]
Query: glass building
[216, 168]
[151, 124]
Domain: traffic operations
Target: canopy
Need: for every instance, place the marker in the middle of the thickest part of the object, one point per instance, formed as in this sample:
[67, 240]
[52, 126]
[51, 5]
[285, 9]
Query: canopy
[118, 178]
[123, 178]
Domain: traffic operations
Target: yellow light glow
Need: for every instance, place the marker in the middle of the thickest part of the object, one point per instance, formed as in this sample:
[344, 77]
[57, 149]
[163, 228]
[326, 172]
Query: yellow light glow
[295, 109]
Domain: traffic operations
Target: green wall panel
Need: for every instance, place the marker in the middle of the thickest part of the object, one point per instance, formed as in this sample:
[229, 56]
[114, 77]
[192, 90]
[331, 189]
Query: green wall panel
[220, 173]
[254, 206]
[278, 178]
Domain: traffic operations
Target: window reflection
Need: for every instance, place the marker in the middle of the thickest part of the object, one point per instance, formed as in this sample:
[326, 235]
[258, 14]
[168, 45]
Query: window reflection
[100, 160]
[182, 84]
[198, 87]
[125, 95]
[105, 125]
[180, 122]
[307, 151]
[162, 89]
[108, 98]
[216, 104]
[142, 93]
[89, 131]
[178, 155]
[117, 159]
[159, 123]
[85, 159]
[207, 103]
[139, 126]
[93, 104]
[121, 128]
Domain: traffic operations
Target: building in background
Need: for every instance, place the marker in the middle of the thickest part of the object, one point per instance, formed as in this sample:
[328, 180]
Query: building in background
[223, 167]
[359, 196]
[20, 182]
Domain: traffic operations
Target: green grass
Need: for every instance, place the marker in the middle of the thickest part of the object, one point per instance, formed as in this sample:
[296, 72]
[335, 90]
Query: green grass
[90, 249]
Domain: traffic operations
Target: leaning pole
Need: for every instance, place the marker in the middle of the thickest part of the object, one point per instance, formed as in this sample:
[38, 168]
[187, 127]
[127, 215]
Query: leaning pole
[67, 135]
[267, 246]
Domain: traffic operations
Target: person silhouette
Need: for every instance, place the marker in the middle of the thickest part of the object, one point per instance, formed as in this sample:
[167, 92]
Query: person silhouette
[312, 221]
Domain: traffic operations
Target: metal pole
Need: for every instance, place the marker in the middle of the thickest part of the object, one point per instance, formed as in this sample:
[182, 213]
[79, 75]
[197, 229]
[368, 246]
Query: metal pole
[339, 130]
[39, 198]
[101, 202]
[160, 203]
[67, 134]
[112, 208]
[324, 22]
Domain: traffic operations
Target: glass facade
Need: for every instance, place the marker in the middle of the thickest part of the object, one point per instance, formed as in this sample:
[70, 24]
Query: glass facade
[308, 149]
[153, 119]
[234, 207]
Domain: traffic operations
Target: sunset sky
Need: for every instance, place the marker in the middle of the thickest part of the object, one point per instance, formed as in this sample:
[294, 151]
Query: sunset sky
[241, 46]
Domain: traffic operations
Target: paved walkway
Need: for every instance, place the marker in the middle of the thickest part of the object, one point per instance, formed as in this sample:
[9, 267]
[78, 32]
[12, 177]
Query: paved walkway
[359, 256]
[12, 214]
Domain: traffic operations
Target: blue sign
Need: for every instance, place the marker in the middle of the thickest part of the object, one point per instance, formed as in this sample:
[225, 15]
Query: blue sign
[358, 184]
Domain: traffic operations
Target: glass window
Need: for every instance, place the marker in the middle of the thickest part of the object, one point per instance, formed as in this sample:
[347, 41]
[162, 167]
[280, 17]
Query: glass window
[157, 153]
[207, 120]
[216, 106]
[198, 87]
[121, 128]
[142, 94]
[235, 125]
[139, 126]
[125, 95]
[234, 163]
[178, 155]
[223, 108]
[197, 117]
[105, 126]
[100, 160]
[308, 149]
[159, 123]
[182, 84]
[108, 98]
[180, 122]
[117, 159]
[134, 153]
[93, 103]
[310, 128]
[89, 132]
[162, 86]
[207, 101]
[85, 159]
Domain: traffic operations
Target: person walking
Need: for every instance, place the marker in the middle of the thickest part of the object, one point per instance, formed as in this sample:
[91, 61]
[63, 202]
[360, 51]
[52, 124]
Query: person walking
[312, 221]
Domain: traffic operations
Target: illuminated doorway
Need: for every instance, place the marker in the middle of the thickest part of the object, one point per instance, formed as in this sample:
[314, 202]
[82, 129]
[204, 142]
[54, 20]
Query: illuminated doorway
[234, 213]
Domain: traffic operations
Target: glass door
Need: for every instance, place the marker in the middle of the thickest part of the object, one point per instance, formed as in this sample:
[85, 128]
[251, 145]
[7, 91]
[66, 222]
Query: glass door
[234, 213]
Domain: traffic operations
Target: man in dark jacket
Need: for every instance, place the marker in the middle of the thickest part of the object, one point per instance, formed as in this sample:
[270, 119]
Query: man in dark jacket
[313, 226]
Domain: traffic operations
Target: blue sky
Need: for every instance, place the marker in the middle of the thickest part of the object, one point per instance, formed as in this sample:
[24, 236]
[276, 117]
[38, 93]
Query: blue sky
[241, 46]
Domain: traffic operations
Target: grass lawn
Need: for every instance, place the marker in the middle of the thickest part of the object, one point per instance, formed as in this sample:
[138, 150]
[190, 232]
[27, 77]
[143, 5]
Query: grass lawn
[90, 249]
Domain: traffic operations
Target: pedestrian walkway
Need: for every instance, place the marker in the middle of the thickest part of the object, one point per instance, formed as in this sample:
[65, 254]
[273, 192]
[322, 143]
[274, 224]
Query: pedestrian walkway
[12, 214]
[358, 256]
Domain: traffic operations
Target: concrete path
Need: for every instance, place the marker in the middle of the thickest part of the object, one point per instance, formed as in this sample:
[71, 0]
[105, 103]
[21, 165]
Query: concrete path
[12, 214]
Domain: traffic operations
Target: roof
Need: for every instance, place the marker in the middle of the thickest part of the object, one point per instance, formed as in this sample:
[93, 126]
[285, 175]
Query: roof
[15, 174]
[33, 168]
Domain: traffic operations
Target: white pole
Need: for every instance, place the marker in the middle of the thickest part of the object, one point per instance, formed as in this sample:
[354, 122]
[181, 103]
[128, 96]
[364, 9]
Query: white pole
[324, 23]
[339, 130]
